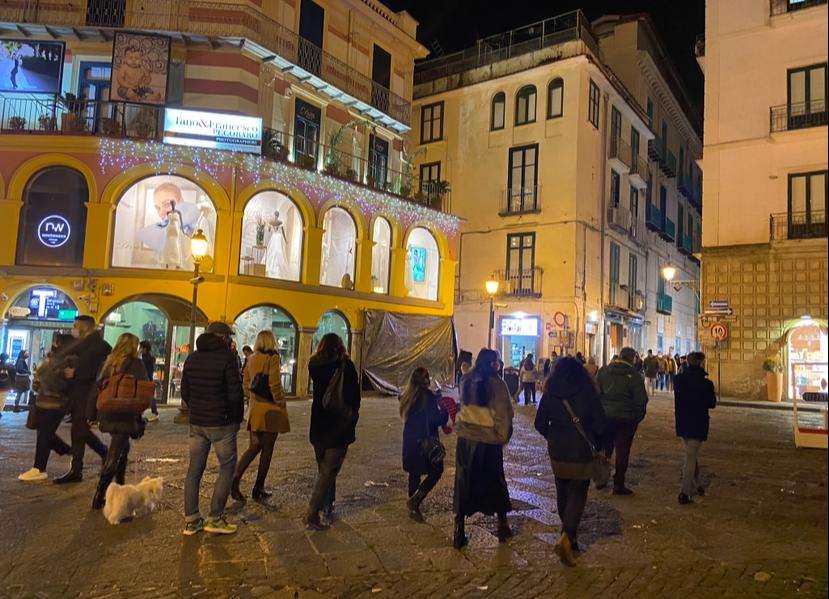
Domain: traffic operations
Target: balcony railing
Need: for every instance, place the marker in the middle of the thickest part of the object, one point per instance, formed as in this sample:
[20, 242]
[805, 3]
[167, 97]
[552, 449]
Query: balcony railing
[520, 283]
[797, 225]
[639, 171]
[669, 230]
[654, 219]
[520, 200]
[685, 184]
[780, 7]
[619, 153]
[619, 218]
[800, 115]
[212, 20]
[656, 149]
[685, 244]
[669, 164]
[664, 303]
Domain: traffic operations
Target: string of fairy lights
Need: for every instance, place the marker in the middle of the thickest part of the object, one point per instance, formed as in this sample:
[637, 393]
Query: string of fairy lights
[164, 159]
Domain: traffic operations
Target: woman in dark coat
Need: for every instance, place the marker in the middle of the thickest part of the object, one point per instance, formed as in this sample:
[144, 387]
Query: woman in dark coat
[484, 427]
[570, 453]
[331, 432]
[22, 379]
[422, 417]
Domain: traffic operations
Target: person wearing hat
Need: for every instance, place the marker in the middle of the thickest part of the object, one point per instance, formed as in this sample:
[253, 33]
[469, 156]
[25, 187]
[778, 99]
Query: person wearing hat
[211, 386]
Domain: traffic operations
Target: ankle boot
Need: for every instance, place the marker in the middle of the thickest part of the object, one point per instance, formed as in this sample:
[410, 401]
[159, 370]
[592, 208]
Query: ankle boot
[99, 500]
[259, 493]
[236, 492]
[460, 536]
[121, 473]
[75, 474]
[504, 531]
[564, 550]
[413, 503]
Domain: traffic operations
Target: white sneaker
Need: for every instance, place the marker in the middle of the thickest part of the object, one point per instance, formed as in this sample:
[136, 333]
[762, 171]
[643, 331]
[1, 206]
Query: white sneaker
[152, 417]
[32, 476]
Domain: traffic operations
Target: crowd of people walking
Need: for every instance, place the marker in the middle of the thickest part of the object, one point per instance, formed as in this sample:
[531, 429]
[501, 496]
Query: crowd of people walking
[587, 416]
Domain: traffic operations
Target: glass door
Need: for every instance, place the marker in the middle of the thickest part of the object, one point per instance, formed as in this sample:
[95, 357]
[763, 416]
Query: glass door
[179, 350]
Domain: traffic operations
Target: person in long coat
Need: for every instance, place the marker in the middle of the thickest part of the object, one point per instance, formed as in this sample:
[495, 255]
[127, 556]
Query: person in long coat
[570, 453]
[484, 427]
[422, 417]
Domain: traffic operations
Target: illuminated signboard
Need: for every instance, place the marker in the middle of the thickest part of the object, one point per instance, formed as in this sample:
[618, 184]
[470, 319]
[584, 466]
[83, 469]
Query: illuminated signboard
[47, 303]
[527, 327]
[213, 130]
[53, 231]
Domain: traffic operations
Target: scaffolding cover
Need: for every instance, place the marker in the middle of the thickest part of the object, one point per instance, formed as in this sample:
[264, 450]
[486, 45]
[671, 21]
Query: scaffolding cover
[395, 344]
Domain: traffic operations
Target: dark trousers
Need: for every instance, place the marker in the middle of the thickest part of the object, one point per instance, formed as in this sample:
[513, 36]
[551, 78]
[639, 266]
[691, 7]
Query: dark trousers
[417, 481]
[619, 438]
[571, 497]
[47, 438]
[329, 463]
[115, 463]
[529, 392]
[262, 444]
[82, 435]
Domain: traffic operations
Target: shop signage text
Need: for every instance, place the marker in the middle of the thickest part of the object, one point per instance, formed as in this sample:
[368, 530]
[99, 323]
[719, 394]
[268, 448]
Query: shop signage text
[527, 327]
[213, 130]
[53, 231]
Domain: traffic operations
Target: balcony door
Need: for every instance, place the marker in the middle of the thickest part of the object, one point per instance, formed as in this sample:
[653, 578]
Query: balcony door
[523, 180]
[381, 76]
[520, 263]
[306, 134]
[807, 205]
[311, 28]
[807, 97]
[94, 85]
[378, 162]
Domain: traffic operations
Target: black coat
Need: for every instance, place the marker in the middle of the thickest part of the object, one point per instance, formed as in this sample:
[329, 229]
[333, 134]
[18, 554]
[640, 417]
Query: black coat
[564, 442]
[327, 429]
[89, 355]
[148, 360]
[211, 384]
[693, 397]
[422, 422]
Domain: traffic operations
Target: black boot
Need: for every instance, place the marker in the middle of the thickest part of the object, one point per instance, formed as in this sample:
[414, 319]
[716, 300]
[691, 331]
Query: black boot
[460, 536]
[236, 492]
[121, 473]
[259, 493]
[99, 499]
[413, 503]
[75, 474]
[504, 531]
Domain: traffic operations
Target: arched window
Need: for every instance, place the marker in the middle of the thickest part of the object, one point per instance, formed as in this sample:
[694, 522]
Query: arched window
[381, 236]
[155, 220]
[555, 98]
[339, 246]
[499, 104]
[525, 105]
[270, 318]
[53, 218]
[271, 237]
[422, 265]
[332, 322]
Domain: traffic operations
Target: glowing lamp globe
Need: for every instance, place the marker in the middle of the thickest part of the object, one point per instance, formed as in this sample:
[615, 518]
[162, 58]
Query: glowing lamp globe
[668, 272]
[491, 287]
[198, 245]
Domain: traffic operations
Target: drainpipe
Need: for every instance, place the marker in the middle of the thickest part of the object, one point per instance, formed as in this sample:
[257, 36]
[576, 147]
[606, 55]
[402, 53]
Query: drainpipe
[603, 217]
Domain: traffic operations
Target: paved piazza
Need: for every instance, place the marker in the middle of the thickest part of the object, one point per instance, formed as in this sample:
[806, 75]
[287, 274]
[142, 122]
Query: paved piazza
[760, 531]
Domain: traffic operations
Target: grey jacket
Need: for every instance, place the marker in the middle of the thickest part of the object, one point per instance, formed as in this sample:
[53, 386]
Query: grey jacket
[490, 424]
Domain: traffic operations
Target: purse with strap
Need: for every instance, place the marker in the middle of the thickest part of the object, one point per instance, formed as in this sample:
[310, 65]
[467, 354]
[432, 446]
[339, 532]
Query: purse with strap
[599, 466]
[431, 448]
[333, 400]
[123, 393]
[260, 385]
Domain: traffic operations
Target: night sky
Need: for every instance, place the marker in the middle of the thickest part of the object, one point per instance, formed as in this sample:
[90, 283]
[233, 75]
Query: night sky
[457, 24]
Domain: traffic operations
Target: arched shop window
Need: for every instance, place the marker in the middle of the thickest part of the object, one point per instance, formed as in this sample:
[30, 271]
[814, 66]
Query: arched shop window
[422, 265]
[261, 318]
[332, 322]
[381, 236]
[155, 220]
[339, 246]
[53, 218]
[271, 237]
[33, 319]
[143, 319]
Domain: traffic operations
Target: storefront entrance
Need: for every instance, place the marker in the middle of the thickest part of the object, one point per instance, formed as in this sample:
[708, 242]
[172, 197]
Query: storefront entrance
[808, 368]
[519, 337]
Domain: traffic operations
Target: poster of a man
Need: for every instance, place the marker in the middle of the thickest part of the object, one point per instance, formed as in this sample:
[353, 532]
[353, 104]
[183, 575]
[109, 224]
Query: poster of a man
[30, 67]
[139, 68]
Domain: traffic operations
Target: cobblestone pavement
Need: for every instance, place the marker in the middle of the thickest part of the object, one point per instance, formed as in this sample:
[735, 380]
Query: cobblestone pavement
[760, 531]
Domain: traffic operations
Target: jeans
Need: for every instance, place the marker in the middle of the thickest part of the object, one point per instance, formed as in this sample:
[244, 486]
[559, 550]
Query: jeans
[690, 468]
[529, 392]
[261, 443]
[329, 462]
[619, 438]
[47, 438]
[223, 441]
[82, 435]
[426, 484]
[571, 497]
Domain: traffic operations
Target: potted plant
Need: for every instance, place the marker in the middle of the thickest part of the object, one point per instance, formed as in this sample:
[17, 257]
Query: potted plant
[73, 118]
[774, 379]
[17, 123]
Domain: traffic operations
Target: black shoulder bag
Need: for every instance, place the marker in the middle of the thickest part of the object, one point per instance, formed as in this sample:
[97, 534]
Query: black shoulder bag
[260, 384]
[333, 400]
[431, 448]
[599, 466]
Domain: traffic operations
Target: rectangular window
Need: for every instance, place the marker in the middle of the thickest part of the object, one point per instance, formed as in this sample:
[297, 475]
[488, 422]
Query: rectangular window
[680, 223]
[615, 184]
[665, 136]
[634, 143]
[522, 186]
[378, 162]
[807, 96]
[663, 202]
[807, 205]
[650, 113]
[431, 122]
[381, 76]
[614, 272]
[499, 103]
[311, 23]
[634, 204]
[615, 123]
[593, 104]
[429, 176]
[521, 263]
[307, 119]
[633, 267]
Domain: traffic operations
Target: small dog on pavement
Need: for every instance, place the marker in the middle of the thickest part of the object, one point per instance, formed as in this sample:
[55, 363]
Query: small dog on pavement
[127, 501]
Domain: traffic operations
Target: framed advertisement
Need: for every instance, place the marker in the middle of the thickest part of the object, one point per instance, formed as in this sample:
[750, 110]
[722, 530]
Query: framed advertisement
[140, 68]
[31, 66]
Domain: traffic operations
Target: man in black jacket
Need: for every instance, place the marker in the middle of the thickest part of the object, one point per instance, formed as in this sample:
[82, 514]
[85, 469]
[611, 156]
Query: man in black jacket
[90, 351]
[211, 386]
[693, 397]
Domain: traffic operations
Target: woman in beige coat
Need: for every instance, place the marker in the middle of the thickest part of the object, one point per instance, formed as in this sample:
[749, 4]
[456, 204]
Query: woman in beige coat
[268, 413]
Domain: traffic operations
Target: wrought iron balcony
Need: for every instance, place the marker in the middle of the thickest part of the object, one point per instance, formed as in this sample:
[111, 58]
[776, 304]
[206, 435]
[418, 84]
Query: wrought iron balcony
[238, 24]
[619, 154]
[664, 303]
[685, 244]
[781, 7]
[520, 200]
[654, 219]
[520, 283]
[800, 115]
[797, 225]
[668, 232]
[640, 172]
[619, 218]
[656, 149]
[668, 165]
[685, 184]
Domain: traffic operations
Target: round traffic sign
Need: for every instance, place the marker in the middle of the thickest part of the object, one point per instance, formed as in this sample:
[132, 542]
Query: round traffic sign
[719, 331]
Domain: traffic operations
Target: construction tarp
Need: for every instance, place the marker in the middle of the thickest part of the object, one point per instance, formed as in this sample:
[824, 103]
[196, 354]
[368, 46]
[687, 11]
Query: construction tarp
[395, 344]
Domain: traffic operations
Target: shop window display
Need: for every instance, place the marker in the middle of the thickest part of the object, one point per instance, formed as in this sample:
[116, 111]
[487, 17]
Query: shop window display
[339, 246]
[808, 361]
[422, 265]
[155, 220]
[332, 322]
[380, 256]
[271, 237]
[251, 322]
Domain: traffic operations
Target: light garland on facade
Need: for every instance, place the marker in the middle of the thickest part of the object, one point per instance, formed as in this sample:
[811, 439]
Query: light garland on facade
[319, 188]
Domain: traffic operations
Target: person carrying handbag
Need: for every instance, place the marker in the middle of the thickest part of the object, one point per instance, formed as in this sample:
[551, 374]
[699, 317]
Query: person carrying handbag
[268, 417]
[423, 453]
[571, 418]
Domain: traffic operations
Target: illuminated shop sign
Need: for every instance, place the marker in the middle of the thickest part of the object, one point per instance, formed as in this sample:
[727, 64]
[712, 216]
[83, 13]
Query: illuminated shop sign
[53, 231]
[213, 130]
[527, 327]
[46, 303]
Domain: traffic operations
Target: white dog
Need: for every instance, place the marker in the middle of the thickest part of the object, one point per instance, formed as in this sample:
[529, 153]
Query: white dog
[125, 501]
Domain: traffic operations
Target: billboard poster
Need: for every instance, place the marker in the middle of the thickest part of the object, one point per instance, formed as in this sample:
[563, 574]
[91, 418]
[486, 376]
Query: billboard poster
[215, 130]
[140, 65]
[30, 66]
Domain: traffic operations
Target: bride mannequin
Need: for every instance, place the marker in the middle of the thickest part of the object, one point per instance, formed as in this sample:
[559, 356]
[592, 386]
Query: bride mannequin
[276, 255]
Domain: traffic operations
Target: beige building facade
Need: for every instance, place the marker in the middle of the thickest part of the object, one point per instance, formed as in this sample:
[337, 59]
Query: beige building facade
[765, 160]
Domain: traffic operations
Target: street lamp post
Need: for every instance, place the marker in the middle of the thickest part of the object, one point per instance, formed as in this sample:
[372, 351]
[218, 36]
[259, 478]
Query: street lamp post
[198, 250]
[669, 274]
[491, 287]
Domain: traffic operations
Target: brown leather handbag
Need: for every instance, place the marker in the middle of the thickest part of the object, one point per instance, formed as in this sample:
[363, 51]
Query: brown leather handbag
[123, 393]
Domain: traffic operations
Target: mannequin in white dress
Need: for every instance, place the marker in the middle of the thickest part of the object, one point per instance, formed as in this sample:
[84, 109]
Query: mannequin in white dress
[276, 256]
[172, 254]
